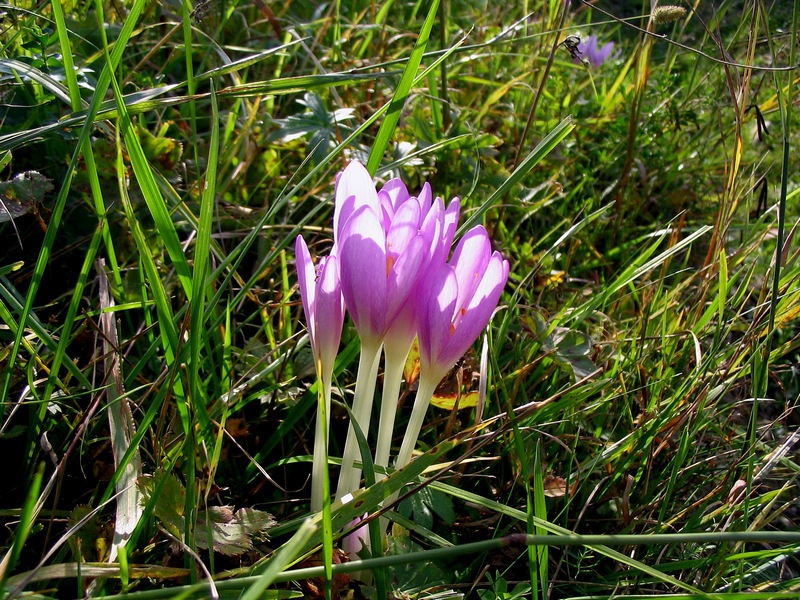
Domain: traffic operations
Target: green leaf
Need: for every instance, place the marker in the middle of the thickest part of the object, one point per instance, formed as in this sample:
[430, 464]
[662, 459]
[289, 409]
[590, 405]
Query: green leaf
[401, 93]
[442, 505]
[571, 351]
[22, 194]
[169, 502]
[220, 527]
[232, 533]
[417, 509]
[414, 575]
[159, 148]
[323, 126]
[30, 73]
[422, 506]
[91, 541]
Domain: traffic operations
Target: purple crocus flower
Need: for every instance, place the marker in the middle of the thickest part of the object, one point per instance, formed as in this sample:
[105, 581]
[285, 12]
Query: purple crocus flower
[323, 305]
[590, 51]
[382, 246]
[460, 299]
[358, 539]
[380, 254]
[458, 302]
[438, 227]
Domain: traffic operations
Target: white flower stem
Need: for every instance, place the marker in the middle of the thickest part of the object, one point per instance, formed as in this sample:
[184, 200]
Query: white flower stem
[319, 465]
[350, 476]
[427, 385]
[395, 355]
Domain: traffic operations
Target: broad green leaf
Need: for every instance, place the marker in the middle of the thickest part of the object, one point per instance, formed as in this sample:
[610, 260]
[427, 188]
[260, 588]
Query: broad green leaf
[232, 533]
[22, 194]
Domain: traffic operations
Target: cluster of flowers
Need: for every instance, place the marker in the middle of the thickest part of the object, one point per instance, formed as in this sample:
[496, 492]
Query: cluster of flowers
[390, 267]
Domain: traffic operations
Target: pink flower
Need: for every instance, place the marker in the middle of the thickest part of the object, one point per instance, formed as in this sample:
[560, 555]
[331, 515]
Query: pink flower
[323, 304]
[354, 189]
[457, 303]
[358, 539]
[324, 308]
[460, 300]
[437, 227]
[381, 249]
[591, 52]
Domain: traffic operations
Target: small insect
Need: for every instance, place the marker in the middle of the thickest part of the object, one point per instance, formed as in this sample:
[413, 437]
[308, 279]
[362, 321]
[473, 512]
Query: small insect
[201, 10]
[203, 7]
[572, 43]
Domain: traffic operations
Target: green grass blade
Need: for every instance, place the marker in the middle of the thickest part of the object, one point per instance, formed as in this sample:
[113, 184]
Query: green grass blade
[153, 198]
[542, 149]
[284, 557]
[401, 93]
[23, 528]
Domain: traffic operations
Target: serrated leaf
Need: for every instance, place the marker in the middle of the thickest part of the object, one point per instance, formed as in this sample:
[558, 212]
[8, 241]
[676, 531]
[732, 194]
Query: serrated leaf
[418, 508]
[322, 125]
[15, 431]
[232, 532]
[414, 576]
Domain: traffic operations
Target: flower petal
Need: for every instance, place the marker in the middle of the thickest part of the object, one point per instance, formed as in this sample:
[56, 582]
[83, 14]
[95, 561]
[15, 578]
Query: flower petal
[404, 326]
[362, 263]
[355, 542]
[329, 313]
[392, 195]
[436, 318]
[404, 276]
[306, 277]
[354, 189]
[404, 228]
[450, 225]
[425, 198]
[470, 259]
[475, 317]
[431, 231]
